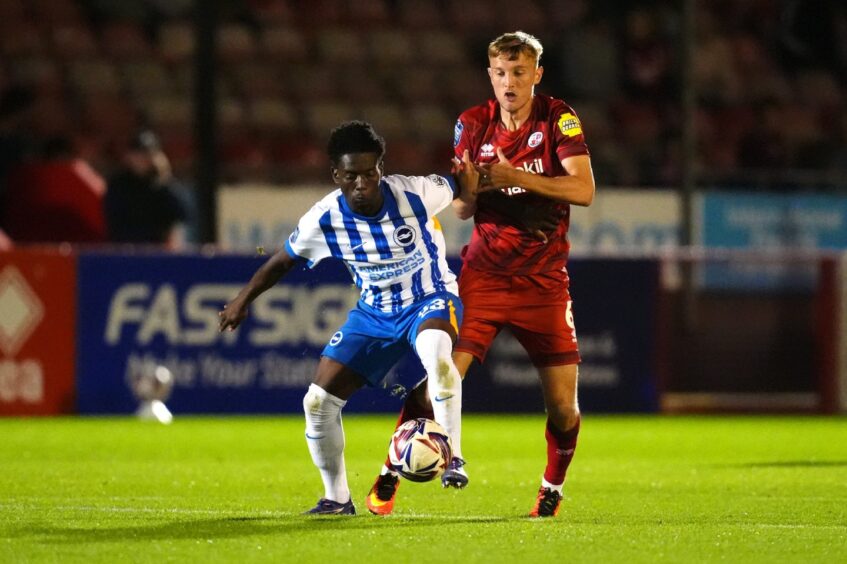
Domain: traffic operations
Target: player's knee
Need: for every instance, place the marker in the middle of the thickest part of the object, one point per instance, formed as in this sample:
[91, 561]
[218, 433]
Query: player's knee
[563, 415]
[311, 401]
[318, 401]
[435, 350]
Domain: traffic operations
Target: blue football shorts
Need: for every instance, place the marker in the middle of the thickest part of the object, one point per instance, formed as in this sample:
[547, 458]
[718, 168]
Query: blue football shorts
[371, 342]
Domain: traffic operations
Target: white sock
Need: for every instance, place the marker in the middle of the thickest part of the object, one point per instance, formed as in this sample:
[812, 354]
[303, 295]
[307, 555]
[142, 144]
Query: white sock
[554, 487]
[325, 437]
[444, 384]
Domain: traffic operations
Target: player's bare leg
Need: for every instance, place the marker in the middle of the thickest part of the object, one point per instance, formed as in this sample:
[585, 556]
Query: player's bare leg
[559, 386]
[463, 361]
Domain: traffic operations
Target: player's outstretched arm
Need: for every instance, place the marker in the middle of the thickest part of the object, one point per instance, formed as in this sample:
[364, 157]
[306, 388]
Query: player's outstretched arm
[575, 188]
[266, 276]
[468, 177]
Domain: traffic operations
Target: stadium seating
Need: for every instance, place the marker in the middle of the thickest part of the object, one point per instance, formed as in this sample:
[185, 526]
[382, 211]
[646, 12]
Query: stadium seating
[411, 66]
[125, 41]
[284, 43]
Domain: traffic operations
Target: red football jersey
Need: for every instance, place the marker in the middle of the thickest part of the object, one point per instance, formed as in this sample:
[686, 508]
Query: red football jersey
[552, 133]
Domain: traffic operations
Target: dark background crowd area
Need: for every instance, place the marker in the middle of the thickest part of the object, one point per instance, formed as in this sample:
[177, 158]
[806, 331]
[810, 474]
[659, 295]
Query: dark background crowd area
[80, 78]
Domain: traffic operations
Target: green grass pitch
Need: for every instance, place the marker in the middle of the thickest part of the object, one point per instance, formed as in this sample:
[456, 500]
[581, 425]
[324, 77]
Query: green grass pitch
[641, 489]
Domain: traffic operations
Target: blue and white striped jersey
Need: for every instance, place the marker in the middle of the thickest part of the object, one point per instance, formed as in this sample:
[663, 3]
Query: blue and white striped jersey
[396, 257]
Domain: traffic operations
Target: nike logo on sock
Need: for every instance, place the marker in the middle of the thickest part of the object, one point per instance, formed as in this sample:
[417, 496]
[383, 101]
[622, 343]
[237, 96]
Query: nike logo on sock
[439, 400]
[308, 436]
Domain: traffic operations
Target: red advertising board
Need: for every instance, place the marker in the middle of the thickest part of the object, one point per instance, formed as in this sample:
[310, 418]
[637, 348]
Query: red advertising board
[37, 331]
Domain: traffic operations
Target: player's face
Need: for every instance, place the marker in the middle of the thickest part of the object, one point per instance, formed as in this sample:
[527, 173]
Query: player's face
[358, 176]
[514, 80]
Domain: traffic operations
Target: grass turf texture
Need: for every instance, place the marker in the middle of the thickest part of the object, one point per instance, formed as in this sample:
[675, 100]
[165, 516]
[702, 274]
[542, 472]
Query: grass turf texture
[642, 489]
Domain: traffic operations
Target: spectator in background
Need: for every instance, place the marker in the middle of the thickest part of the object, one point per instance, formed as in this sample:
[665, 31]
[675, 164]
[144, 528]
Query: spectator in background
[54, 198]
[143, 204]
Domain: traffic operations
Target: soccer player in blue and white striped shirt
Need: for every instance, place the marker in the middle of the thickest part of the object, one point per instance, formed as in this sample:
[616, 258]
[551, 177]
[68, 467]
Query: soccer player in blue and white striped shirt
[384, 229]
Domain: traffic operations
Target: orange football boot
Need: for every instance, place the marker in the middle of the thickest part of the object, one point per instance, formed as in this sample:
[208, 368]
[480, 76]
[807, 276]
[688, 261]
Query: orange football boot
[547, 503]
[381, 497]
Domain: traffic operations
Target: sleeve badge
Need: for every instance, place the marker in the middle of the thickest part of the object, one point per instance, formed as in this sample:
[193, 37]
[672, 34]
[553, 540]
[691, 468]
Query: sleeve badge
[569, 125]
[457, 132]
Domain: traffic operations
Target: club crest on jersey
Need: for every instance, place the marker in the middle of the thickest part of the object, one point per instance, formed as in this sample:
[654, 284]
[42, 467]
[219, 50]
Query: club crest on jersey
[336, 338]
[457, 132]
[437, 180]
[487, 150]
[569, 125]
[535, 139]
[405, 235]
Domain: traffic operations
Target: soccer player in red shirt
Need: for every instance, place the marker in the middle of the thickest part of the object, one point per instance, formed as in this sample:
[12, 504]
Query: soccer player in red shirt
[531, 155]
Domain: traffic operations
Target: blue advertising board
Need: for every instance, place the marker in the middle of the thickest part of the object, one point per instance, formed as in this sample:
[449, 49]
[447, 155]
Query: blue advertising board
[137, 312]
[146, 310]
[615, 313]
[767, 222]
[762, 221]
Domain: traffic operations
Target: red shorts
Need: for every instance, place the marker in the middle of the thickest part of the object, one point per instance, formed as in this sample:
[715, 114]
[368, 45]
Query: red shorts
[535, 307]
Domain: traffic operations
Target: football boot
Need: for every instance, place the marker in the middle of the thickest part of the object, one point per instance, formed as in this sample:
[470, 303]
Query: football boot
[547, 503]
[328, 507]
[380, 499]
[455, 475]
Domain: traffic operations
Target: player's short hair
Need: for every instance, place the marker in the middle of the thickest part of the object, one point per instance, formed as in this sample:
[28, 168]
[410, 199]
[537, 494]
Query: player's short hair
[512, 44]
[354, 137]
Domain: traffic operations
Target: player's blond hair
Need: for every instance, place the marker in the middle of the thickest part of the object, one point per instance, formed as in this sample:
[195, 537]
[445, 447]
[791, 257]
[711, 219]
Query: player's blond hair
[512, 44]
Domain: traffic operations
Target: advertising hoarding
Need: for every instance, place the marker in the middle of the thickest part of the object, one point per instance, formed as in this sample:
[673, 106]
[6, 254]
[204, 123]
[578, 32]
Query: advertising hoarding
[37, 332]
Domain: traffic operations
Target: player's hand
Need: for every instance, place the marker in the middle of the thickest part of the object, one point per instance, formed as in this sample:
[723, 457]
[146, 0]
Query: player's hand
[469, 174]
[232, 315]
[456, 166]
[466, 173]
[496, 175]
[503, 159]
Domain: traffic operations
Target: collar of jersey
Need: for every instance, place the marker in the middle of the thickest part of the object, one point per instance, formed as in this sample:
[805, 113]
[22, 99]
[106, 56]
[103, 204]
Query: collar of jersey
[525, 125]
[386, 193]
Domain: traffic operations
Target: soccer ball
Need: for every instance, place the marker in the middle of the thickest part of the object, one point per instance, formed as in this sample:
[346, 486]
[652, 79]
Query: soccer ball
[420, 450]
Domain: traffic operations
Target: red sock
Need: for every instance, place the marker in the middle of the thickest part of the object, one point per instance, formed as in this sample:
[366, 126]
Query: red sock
[411, 409]
[560, 449]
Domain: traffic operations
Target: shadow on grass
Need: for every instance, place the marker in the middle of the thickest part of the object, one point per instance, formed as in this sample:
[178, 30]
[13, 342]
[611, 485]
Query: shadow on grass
[240, 526]
[795, 464]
